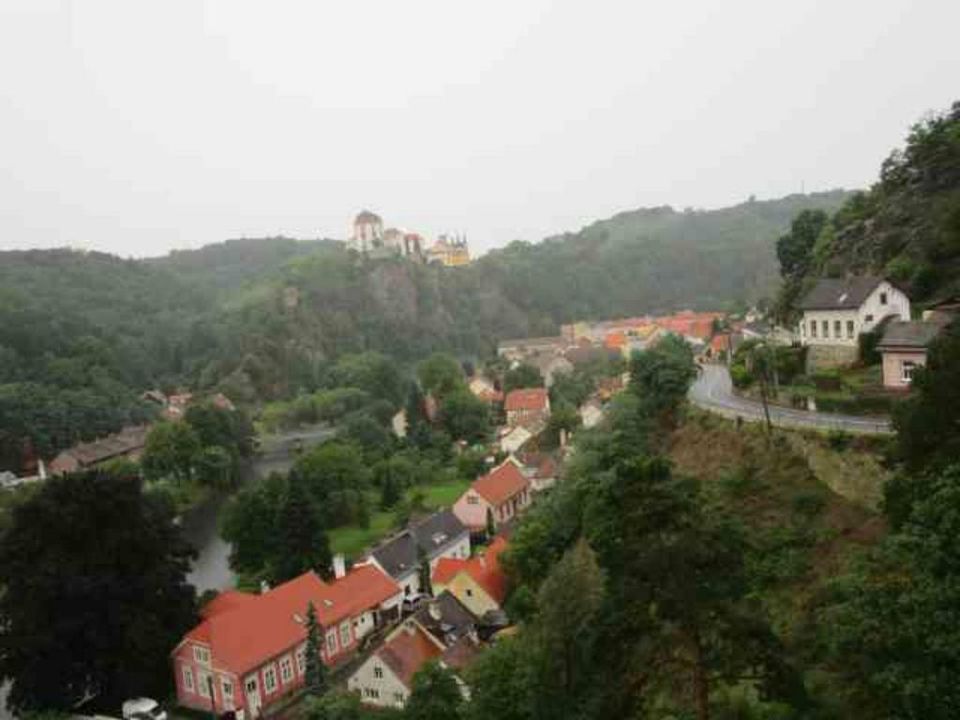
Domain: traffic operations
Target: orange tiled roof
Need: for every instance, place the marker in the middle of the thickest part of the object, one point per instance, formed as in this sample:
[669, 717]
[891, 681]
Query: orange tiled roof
[409, 651]
[242, 634]
[484, 569]
[526, 399]
[501, 483]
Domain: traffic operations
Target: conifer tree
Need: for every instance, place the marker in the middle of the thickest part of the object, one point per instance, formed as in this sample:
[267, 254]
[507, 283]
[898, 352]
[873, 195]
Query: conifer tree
[315, 672]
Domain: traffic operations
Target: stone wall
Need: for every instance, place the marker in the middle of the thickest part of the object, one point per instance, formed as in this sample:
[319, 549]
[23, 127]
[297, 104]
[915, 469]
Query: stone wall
[825, 357]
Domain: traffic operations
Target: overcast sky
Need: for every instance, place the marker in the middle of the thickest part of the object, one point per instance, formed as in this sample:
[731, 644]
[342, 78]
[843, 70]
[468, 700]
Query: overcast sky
[136, 127]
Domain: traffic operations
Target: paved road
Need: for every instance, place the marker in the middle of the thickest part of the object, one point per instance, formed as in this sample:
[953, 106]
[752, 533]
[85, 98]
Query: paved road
[713, 391]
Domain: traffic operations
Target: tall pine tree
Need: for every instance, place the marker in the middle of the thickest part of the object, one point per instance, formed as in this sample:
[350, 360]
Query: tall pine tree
[303, 544]
[315, 672]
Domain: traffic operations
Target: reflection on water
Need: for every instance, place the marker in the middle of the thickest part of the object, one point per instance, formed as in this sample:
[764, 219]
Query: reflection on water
[211, 569]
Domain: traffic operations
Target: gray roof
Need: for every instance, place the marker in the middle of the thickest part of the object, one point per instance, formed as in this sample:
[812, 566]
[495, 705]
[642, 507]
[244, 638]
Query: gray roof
[592, 353]
[446, 618]
[840, 293]
[901, 334]
[399, 555]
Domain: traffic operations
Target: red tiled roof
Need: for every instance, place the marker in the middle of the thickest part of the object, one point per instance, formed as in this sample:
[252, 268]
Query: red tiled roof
[242, 634]
[720, 342]
[615, 340]
[526, 399]
[225, 601]
[501, 483]
[406, 653]
[484, 569]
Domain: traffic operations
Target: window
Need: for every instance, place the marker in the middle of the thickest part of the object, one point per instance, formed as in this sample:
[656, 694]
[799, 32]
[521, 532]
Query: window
[473, 500]
[374, 693]
[398, 698]
[906, 370]
[302, 660]
[201, 655]
[883, 298]
[252, 686]
[203, 683]
[270, 679]
[825, 326]
[406, 589]
[331, 641]
[868, 318]
[286, 670]
[813, 328]
[850, 329]
[469, 592]
[187, 678]
[344, 633]
[377, 671]
[226, 688]
[836, 329]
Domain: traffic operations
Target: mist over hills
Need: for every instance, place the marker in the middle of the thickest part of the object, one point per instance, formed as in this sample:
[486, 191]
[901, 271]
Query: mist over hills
[82, 334]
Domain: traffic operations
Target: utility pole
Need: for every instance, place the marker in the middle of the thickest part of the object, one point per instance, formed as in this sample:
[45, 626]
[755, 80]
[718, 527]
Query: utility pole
[764, 387]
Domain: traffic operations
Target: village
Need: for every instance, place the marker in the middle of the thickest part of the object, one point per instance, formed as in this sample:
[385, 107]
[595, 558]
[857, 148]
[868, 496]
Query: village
[436, 590]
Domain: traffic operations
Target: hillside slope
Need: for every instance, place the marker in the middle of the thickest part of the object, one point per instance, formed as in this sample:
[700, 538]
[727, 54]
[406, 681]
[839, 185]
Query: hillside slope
[907, 226]
[83, 334]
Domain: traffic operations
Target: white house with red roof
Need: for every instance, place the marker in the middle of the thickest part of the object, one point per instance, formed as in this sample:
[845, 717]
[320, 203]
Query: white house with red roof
[504, 491]
[249, 650]
[527, 406]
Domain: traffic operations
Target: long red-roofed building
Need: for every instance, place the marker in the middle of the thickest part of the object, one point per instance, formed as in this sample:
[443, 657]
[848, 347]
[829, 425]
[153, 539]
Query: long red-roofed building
[504, 491]
[251, 648]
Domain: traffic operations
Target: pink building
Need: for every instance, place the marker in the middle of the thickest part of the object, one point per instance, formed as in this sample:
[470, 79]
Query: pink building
[249, 651]
[504, 491]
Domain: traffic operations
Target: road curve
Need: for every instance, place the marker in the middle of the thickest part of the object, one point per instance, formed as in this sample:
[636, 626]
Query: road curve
[713, 391]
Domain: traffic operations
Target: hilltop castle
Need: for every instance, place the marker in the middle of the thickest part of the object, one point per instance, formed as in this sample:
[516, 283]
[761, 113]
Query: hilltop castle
[368, 236]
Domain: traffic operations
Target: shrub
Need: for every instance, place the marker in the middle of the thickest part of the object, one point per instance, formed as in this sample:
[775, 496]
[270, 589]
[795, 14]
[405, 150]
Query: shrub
[839, 439]
[808, 503]
[740, 376]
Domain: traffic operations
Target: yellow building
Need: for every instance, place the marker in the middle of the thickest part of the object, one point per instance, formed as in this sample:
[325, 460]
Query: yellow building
[479, 583]
[449, 251]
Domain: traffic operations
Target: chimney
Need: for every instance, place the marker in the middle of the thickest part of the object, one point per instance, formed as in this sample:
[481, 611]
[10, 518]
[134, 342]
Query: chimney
[264, 587]
[43, 469]
[339, 566]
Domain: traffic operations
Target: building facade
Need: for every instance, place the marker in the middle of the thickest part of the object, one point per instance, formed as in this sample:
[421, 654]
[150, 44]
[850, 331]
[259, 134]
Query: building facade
[837, 311]
[249, 650]
[503, 493]
[439, 535]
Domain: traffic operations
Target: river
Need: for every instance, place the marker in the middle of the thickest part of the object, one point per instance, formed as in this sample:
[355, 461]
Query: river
[211, 569]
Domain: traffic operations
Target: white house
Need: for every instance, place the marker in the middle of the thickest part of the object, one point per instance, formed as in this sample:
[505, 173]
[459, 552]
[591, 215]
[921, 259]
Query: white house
[836, 311]
[439, 535]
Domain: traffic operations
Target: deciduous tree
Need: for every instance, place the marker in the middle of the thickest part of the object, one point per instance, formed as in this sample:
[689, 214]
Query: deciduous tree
[95, 593]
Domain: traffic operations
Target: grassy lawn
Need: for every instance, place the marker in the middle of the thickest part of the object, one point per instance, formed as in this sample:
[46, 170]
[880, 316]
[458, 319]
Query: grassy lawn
[352, 539]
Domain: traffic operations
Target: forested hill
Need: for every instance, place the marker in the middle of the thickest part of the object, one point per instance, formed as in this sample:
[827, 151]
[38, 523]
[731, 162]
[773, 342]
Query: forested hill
[907, 226]
[83, 334]
[653, 259]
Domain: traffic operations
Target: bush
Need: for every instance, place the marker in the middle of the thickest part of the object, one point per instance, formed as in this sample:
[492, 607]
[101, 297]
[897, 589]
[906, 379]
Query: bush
[838, 440]
[740, 376]
[809, 504]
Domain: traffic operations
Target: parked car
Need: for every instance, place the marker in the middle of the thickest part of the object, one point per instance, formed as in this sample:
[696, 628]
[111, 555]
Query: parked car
[143, 709]
[412, 602]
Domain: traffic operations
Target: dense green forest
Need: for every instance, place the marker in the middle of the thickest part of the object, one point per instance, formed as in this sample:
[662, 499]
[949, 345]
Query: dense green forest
[83, 334]
[906, 227]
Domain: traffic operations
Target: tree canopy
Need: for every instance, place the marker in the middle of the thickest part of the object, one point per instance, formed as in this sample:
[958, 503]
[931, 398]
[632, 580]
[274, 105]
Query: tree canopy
[110, 602]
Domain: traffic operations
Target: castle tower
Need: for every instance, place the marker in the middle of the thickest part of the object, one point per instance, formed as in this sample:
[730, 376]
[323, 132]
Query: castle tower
[367, 232]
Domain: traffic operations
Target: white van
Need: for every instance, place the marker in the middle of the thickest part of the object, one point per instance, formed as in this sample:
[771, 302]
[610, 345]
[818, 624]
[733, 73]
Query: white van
[143, 709]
